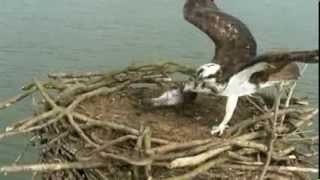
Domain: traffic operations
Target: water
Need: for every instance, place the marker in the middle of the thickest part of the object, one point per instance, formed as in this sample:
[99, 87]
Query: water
[41, 36]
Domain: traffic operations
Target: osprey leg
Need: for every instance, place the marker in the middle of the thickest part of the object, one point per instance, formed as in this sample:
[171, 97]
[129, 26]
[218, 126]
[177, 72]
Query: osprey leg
[230, 107]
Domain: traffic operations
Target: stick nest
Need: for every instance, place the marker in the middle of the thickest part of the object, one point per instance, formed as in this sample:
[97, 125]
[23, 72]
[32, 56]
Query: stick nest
[96, 126]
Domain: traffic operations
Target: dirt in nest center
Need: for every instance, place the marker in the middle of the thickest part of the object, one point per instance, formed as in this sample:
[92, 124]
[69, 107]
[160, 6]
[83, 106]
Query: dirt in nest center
[179, 124]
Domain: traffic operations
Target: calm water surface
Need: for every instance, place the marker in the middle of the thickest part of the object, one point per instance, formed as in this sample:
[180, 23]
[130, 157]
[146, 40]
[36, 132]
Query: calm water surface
[41, 36]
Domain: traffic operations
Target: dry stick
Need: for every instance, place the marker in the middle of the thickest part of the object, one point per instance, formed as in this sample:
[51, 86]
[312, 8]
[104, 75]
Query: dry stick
[131, 161]
[11, 101]
[45, 95]
[250, 144]
[195, 160]
[245, 123]
[263, 148]
[255, 104]
[247, 151]
[202, 168]
[252, 163]
[78, 100]
[137, 152]
[260, 99]
[71, 82]
[24, 131]
[99, 91]
[10, 133]
[28, 122]
[304, 119]
[101, 175]
[193, 151]
[49, 85]
[92, 90]
[103, 90]
[115, 126]
[80, 132]
[111, 143]
[75, 75]
[287, 103]
[238, 156]
[177, 146]
[53, 166]
[68, 95]
[109, 124]
[55, 110]
[200, 158]
[271, 168]
[63, 135]
[312, 140]
[273, 133]
[27, 130]
[138, 146]
[147, 146]
[292, 88]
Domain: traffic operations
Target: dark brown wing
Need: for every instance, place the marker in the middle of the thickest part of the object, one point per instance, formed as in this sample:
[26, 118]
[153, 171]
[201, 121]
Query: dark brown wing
[235, 45]
[281, 65]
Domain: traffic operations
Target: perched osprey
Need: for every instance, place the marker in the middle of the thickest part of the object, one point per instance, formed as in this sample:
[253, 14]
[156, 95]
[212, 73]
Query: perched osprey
[236, 70]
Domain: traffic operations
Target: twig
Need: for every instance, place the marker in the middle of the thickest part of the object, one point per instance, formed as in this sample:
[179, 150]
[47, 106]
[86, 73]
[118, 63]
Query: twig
[271, 168]
[305, 119]
[255, 104]
[138, 153]
[97, 92]
[245, 123]
[194, 151]
[28, 122]
[80, 132]
[11, 101]
[177, 146]
[291, 91]
[195, 160]
[111, 143]
[147, 146]
[52, 166]
[75, 75]
[238, 156]
[115, 126]
[68, 95]
[109, 124]
[129, 160]
[287, 103]
[200, 158]
[250, 144]
[202, 168]
[45, 94]
[273, 133]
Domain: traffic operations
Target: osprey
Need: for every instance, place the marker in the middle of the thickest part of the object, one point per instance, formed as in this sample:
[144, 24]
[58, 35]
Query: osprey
[236, 69]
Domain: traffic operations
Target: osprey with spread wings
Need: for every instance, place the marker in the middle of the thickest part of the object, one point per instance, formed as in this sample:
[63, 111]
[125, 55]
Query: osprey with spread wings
[236, 70]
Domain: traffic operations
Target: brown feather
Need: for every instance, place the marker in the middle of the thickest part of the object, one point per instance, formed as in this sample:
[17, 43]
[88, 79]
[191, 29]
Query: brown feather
[289, 72]
[235, 45]
[278, 62]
